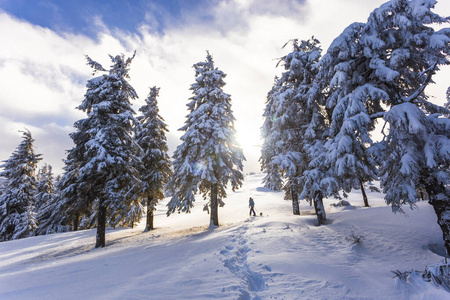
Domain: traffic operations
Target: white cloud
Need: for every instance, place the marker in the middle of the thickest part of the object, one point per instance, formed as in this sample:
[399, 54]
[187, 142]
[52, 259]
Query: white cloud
[43, 73]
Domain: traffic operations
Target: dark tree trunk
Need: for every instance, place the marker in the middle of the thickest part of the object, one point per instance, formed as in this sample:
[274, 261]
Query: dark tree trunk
[101, 226]
[320, 209]
[295, 205]
[366, 202]
[442, 210]
[149, 225]
[439, 198]
[214, 206]
[76, 222]
[423, 194]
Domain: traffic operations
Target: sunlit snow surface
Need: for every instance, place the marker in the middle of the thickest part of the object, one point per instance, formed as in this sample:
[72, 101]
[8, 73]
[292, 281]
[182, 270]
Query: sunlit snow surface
[277, 256]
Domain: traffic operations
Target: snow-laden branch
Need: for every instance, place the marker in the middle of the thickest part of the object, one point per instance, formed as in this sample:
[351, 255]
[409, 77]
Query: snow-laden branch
[425, 83]
[94, 65]
[377, 115]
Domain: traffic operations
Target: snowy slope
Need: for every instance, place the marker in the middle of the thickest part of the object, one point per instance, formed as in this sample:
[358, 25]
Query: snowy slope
[277, 256]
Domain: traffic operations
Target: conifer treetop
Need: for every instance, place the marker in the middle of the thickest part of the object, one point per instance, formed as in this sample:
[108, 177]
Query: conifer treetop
[209, 153]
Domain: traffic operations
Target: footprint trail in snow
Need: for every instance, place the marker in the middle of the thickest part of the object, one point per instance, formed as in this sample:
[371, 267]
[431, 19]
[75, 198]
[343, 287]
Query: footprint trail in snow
[234, 258]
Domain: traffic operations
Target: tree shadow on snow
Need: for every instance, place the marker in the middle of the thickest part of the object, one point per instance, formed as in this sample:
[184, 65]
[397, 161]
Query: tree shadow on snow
[263, 189]
[311, 220]
[438, 249]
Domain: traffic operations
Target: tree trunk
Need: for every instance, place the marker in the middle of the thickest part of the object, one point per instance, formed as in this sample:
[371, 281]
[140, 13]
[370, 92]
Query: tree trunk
[320, 209]
[76, 222]
[101, 226]
[214, 206]
[149, 225]
[438, 196]
[442, 210]
[295, 205]
[366, 202]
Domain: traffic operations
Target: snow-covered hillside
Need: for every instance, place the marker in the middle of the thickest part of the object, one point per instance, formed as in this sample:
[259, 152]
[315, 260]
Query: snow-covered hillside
[276, 256]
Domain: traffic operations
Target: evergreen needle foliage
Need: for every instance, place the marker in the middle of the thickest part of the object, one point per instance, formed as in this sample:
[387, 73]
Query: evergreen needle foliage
[208, 157]
[17, 202]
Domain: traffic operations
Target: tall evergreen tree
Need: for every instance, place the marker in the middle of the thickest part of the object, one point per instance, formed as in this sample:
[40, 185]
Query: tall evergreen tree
[156, 165]
[290, 108]
[2, 185]
[208, 157]
[72, 204]
[17, 211]
[447, 104]
[273, 179]
[315, 182]
[103, 166]
[45, 198]
[53, 216]
[45, 187]
[75, 202]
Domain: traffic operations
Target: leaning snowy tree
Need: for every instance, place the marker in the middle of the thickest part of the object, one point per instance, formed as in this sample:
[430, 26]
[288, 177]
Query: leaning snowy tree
[380, 70]
[104, 164]
[17, 212]
[404, 51]
[352, 97]
[156, 165]
[208, 157]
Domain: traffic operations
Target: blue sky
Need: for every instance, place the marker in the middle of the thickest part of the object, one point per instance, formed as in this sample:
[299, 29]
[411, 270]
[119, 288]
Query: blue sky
[43, 71]
[76, 16]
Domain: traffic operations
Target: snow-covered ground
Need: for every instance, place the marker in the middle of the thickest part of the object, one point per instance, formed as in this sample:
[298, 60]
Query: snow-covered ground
[277, 256]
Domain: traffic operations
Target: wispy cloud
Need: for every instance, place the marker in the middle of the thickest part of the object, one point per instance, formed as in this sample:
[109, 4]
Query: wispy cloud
[43, 73]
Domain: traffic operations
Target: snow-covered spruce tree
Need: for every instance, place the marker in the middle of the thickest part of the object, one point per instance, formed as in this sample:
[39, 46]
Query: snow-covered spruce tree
[273, 179]
[75, 197]
[208, 157]
[53, 216]
[156, 165]
[447, 104]
[352, 97]
[107, 172]
[17, 212]
[45, 199]
[290, 113]
[2, 185]
[45, 187]
[316, 182]
[404, 52]
[72, 204]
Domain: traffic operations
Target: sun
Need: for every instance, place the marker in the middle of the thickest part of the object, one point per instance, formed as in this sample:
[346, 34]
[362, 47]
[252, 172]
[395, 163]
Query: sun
[248, 137]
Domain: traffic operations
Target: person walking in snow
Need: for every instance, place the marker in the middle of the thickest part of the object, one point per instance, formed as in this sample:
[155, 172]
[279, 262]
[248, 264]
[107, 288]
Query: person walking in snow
[251, 204]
